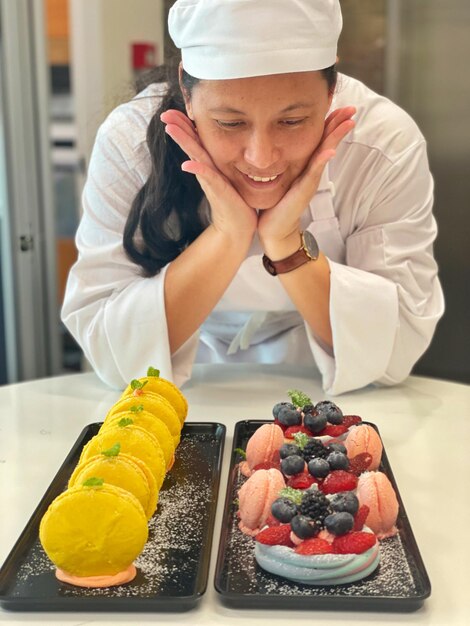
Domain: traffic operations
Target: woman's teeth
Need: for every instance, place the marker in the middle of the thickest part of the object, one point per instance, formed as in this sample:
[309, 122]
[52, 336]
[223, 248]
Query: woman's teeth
[263, 179]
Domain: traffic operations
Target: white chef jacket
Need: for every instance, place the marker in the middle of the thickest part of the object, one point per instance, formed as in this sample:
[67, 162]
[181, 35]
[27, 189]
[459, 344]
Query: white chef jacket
[371, 217]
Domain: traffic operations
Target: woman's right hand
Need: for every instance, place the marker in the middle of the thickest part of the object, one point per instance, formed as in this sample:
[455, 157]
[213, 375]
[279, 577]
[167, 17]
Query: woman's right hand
[229, 212]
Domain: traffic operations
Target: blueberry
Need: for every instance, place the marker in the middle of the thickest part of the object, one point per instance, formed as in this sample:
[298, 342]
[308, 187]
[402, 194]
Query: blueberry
[339, 523]
[345, 501]
[337, 447]
[283, 510]
[338, 461]
[288, 449]
[289, 416]
[314, 421]
[277, 407]
[308, 408]
[318, 468]
[333, 413]
[292, 465]
[302, 526]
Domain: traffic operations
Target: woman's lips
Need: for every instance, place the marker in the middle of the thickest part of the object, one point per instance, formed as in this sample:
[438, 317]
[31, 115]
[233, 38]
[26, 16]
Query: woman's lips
[262, 184]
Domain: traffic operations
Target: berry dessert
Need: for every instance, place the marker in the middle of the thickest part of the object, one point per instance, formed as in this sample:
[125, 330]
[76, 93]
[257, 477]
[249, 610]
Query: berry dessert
[95, 529]
[319, 539]
[316, 506]
[323, 420]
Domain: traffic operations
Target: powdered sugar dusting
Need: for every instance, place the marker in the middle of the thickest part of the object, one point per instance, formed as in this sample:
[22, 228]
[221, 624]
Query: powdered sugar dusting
[394, 577]
[171, 564]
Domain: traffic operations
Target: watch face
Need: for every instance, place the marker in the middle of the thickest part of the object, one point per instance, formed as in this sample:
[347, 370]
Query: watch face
[310, 244]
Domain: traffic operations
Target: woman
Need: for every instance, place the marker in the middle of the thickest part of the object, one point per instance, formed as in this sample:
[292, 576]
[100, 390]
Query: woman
[237, 212]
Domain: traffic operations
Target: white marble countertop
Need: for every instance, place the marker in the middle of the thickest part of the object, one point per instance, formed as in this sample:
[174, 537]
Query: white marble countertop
[424, 424]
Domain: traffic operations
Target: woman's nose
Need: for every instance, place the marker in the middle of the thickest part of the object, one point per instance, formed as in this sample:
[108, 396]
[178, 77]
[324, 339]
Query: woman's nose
[261, 151]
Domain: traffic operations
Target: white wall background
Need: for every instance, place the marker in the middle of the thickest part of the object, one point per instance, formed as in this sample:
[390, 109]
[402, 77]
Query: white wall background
[101, 34]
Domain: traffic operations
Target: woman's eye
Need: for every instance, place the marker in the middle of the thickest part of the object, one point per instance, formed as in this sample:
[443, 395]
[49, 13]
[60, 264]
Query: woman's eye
[226, 124]
[295, 122]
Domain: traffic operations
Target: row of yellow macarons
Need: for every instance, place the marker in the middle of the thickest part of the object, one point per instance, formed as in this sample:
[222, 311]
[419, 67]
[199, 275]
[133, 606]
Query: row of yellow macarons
[98, 525]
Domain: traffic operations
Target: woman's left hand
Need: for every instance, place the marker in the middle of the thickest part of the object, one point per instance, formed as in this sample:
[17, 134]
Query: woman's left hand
[280, 225]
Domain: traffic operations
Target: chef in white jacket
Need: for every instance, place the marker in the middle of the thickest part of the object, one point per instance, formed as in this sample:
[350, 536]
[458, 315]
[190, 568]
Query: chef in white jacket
[315, 240]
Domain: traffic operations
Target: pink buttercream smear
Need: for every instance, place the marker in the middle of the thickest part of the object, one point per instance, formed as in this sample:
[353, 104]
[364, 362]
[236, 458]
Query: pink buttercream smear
[98, 581]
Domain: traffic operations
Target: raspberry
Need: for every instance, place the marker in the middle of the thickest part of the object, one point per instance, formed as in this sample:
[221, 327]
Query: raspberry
[266, 465]
[276, 536]
[360, 517]
[360, 463]
[354, 543]
[351, 420]
[339, 480]
[300, 481]
[290, 432]
[314, 546]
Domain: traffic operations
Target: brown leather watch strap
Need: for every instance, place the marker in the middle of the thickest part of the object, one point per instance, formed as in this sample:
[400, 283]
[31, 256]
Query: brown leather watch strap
[308, 251]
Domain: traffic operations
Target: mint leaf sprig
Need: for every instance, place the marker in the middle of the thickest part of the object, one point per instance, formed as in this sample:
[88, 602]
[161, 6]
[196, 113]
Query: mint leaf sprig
[113, 451]
[136, 384]
[152, 371]
[298, 398]
[292, 494]
[93, 482]
[301, 439]
[241, 452]
[137, 408]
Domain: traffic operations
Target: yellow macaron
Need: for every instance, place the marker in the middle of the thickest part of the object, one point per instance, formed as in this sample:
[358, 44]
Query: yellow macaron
[149, 422]
[121, 470]
[94, 529]
[153, 383]
[153, 403]
[132, 440]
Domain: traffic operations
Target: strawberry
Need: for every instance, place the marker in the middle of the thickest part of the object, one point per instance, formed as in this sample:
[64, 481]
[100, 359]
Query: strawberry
[301, 481]
[339, 480]
[298, 428]
[360, 463]
[354, 543]
[360, 517]
[275, 536]
[314, 546]
[278, 423]
[272, 521]
[266, 465]
[351, 420]
[333, 430]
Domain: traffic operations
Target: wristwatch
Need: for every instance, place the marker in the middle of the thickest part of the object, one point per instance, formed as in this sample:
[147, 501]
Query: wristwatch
[308, 251]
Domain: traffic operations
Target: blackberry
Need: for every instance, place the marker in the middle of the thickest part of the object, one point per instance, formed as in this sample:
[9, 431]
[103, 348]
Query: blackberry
[316, 506]
[315, 449]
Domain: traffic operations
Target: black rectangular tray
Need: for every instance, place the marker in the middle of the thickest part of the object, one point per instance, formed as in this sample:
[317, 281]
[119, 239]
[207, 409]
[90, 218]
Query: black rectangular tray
[173, 567]
[399, 584]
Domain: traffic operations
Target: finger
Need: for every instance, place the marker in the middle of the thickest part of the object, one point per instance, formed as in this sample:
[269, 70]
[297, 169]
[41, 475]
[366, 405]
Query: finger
[336, 118]
[334, 138]
[178, 118]
[188, 143]
[307, 184]
[213, 184]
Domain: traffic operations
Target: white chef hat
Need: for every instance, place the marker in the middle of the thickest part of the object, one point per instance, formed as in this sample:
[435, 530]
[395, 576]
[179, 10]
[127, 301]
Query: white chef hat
[221, 39]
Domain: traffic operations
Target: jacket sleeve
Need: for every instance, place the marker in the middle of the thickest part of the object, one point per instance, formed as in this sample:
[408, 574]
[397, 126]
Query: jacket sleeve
[116, 315]
[386, 300]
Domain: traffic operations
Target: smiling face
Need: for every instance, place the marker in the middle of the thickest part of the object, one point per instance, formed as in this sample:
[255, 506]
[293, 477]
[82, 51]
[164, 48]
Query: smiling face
[261, 132]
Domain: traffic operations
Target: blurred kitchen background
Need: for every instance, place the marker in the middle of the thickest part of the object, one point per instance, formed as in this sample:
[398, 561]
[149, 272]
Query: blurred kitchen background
[64, 64]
